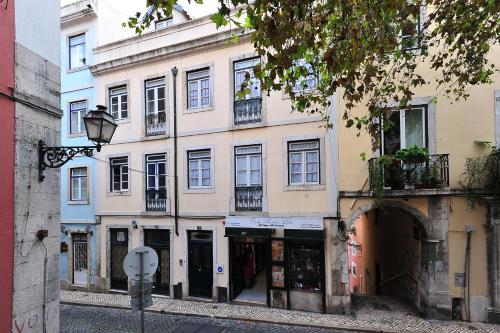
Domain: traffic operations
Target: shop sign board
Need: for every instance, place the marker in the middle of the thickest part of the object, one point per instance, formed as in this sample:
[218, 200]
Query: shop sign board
[297, 223]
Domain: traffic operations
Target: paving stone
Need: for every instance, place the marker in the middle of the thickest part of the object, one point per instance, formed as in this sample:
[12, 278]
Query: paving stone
[365, 318]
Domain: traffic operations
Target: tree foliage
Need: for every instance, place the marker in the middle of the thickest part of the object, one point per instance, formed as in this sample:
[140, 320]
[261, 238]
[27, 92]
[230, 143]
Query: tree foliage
[370, 52]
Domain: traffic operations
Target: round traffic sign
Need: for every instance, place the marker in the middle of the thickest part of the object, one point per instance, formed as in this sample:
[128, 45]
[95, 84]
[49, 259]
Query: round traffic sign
[132, 263]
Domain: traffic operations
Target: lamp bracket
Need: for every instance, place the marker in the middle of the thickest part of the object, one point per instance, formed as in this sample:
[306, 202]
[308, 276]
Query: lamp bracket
[56, 157]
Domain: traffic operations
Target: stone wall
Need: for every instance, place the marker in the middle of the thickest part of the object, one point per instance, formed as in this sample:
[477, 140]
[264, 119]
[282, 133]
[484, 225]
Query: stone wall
[36, 204]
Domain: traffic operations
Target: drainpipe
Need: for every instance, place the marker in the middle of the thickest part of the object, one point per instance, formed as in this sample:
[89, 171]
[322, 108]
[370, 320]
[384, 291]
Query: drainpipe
[176, 187]
[469, 229]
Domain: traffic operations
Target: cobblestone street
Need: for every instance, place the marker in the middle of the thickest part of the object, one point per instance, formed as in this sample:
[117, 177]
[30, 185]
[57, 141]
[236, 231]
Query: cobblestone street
[85, 319]
[170, 314]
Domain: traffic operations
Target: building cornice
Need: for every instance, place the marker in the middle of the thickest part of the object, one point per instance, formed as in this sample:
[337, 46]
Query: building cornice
[197, 45]
[77, 10]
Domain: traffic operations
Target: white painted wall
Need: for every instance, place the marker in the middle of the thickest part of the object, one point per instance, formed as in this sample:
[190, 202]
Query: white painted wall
[34, 20]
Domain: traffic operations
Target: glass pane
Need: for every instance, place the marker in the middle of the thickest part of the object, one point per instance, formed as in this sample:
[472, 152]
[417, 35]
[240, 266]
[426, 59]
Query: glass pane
[205, 181]
[241, 178]
[392, 136]
[74, 122]
[84, 188]
[151, 182]
[205, 164]
[205, 173]
[241, 163]
[193, 182]
[311, 167]
[161, 182]
[255, 177]
[161, 168]
[296, 157]
[312, 156]
[296, 167]
[296, 178]
[75, 189]
[150, 107]
[414, 128]
[161, 105]
[255, 162]
[124, 185]
[151, 169]
[150, 94]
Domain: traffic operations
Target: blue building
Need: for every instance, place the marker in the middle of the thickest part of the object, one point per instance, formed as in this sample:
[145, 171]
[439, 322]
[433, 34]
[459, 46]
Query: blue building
[78, 261]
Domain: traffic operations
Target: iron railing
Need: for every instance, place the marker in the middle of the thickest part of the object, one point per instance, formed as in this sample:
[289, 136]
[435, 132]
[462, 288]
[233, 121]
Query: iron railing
[248, 111]
[156, 124]
[248, 198]
[391, 173]
[156, 200]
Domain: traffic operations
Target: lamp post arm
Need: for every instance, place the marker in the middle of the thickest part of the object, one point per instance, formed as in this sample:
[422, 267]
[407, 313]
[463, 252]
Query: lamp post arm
[56, 157]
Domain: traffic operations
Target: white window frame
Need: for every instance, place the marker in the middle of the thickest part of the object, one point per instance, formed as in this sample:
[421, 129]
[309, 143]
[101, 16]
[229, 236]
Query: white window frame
[156, 159]
[240, 154]
[418, 32]
[198, 76]
[205, 155]
[303, 162]
[83, 63]
[124, 170]
[164, 23]
[79, 179]
[402, 127]
[311, 77]
[118, 92]
[243, 66]
[155, 85]
[80, 113]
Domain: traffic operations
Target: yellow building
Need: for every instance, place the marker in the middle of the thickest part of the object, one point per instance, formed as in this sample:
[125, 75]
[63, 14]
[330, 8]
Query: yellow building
[256, 182]
[267, 200]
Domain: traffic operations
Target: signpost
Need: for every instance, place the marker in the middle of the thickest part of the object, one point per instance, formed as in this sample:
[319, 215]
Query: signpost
[140, 264]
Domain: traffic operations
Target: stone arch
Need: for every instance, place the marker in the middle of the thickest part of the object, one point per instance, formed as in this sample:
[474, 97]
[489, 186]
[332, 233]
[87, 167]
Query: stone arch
[415, 212]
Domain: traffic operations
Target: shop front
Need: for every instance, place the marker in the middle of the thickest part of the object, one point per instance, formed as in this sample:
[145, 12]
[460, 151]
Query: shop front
[278, 262]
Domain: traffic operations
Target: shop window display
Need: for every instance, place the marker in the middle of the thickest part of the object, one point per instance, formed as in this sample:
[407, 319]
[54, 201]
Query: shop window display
[305, 267]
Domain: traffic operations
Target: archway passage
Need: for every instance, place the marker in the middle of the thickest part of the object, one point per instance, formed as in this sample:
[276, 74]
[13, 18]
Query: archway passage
[384, 252]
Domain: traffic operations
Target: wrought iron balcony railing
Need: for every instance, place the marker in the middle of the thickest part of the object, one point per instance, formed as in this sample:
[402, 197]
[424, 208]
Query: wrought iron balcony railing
[248, 111]
[248, 198]
[390, 173]
[156, 200]
[156, 124]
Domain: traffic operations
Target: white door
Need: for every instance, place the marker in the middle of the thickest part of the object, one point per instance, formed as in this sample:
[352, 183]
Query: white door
[80, 262]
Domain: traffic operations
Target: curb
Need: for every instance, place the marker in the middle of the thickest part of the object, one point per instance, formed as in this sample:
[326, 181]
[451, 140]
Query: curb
[252, 320]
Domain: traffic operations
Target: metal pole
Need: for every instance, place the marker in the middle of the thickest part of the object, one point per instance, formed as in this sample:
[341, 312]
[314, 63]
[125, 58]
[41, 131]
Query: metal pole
[176, 193]
[141, 286]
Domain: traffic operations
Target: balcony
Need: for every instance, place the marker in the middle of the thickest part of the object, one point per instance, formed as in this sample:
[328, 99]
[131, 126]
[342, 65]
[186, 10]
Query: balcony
[156, 124]
[248, 111]
[156, 200]
[390, 173]
[248, 199]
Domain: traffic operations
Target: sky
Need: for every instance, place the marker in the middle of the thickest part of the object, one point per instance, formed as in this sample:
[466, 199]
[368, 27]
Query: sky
[194, 10]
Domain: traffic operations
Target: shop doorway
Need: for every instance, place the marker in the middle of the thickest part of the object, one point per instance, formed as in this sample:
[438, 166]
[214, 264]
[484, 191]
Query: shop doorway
[249, 267]
[200, 263]
[118, 252]
[80, 259]
[159, 240]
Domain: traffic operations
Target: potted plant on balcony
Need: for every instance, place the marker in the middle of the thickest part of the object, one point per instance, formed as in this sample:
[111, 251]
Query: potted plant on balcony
[413, 155]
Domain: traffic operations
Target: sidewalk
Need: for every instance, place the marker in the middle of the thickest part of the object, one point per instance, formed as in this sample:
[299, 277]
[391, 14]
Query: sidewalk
[365, 319]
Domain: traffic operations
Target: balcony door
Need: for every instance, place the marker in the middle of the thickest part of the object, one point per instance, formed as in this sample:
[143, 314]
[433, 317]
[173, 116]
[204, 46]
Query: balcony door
[156, 182]
[156, 118]
[248, 190]
[405, 129]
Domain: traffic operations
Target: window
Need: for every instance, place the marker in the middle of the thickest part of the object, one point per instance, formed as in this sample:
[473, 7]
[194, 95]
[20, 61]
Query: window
[77, 51]
[354, 270]
[405, 128]
[248, 191]
[307, 82]
[156, 167]
[411, 32]
[78, 110]
[248, 166]
[78, 184]
[198, 84]
[241, 68]
[305, 266]
[303, 162]
[199, 169]
[119, 174]
[118, 101]
[155, 96]
[162, 24]
[156, 182]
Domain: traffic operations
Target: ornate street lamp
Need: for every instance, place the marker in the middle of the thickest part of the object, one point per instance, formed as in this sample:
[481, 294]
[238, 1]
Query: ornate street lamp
[100, 127]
